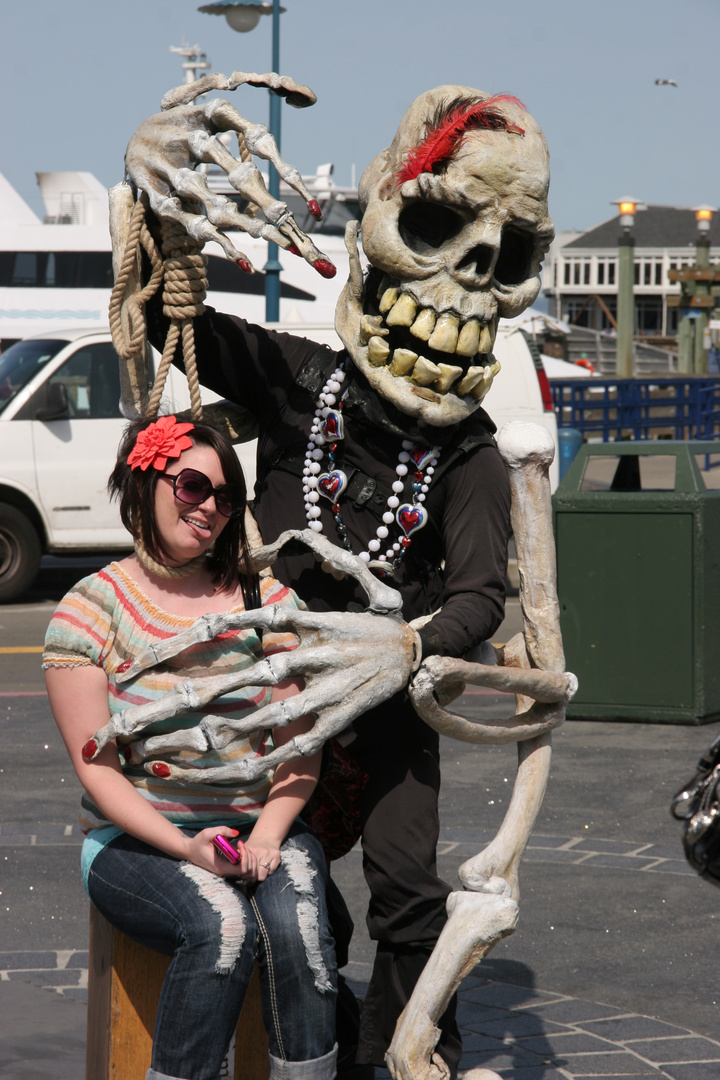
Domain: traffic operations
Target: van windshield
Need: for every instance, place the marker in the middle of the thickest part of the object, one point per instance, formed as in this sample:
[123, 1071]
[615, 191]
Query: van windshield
[20, 362]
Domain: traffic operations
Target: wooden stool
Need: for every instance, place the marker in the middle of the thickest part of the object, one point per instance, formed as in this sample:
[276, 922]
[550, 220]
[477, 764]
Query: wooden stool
[124, 983]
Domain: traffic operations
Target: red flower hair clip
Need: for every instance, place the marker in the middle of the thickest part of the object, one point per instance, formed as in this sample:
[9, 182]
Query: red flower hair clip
[155, 444]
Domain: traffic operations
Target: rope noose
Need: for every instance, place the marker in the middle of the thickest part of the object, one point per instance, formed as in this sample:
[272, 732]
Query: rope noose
[185, 282]
[131, 344]
[182, 268]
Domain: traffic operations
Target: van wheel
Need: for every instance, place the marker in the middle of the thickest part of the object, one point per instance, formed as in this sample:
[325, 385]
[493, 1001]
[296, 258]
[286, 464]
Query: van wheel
[20, 553]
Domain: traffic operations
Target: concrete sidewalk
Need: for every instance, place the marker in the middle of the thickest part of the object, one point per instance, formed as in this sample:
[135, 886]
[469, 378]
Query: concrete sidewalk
[612, 971]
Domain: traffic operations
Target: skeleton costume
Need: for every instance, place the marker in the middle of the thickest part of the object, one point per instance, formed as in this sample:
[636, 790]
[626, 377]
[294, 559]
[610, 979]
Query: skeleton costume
[384, 447]
[467, 507]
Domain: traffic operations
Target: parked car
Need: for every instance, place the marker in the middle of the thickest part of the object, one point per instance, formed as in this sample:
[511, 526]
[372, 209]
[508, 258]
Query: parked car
[60, 425]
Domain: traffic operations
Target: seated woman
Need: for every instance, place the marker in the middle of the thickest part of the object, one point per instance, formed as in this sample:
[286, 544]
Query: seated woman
[149, 860]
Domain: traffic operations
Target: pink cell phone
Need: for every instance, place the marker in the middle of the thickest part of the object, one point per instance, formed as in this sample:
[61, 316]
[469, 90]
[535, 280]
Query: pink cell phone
[227, 850]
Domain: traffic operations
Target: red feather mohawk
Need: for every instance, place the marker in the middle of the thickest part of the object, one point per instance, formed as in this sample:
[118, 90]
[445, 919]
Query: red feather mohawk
[446, 132]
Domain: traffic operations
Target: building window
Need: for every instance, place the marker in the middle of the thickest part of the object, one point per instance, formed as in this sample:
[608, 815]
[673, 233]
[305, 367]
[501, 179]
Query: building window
[579, 311]
[576, 273]
[648, 314]
[601, 273]
[566, 274]
[586, 273]
[637, 273]
[647, 273]
[611, 273]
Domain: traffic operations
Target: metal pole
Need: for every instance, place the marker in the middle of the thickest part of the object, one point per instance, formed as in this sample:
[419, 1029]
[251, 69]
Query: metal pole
[702, 288]
[685, 344]
[272, 266]
[625, 306]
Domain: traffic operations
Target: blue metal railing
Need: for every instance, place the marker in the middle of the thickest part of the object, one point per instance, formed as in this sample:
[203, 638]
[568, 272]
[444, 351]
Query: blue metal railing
[684, 407]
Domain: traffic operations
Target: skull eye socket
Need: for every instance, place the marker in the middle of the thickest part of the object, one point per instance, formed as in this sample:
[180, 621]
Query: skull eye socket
[515, 257]
[426, 226]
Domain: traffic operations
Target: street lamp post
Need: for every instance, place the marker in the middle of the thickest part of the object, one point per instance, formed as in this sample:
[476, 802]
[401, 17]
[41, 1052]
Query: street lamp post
[244, 17]
[625, 293]
[696, 299]
[703, 217]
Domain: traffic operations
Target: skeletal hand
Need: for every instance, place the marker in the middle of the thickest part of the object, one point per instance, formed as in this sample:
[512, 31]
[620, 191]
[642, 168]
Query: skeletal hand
[162, 156]
[349, 662]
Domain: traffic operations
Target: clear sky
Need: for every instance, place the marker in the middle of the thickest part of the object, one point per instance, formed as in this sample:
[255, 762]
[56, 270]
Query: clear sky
[78, 76]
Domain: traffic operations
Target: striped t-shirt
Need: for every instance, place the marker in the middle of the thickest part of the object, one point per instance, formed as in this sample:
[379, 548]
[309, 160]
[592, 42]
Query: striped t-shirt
[107, 620]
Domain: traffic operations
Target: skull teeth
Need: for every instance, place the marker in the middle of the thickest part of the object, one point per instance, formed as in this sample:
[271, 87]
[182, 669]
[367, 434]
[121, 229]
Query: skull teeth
[378, 351]
[486, 341]
[424, 325]
[403, 311]
[370, 326]
[403, 362]
[449, 374]
[444, 337]
[470, 380]
[468, 339]
[425, 372]
[388, 300]
[443, 333]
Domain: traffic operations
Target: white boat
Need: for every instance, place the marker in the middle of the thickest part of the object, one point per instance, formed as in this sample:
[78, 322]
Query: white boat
[56, 274]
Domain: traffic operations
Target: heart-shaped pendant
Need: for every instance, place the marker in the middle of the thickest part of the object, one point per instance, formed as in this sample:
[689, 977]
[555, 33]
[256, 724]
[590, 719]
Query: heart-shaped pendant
[333, 428]
[421, 457]
[382, 570]
[411, 518]
[332, 484]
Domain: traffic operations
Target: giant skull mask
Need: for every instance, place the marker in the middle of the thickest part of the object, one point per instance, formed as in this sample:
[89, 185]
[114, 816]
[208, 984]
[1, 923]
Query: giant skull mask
[455, 224]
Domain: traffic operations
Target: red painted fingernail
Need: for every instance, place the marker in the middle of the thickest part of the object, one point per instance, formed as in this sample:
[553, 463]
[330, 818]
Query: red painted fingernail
[124, 666]
[293, 250]
[235, 832]
[89, 750]
[325, 268]
[245, 266]
[161, 769]
[314, 208]
[127, 753]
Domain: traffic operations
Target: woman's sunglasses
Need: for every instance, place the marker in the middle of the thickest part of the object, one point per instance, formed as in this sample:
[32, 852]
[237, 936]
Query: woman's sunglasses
[193, 488]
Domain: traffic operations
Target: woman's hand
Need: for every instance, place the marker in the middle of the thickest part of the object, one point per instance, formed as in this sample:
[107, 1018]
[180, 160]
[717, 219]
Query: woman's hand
[267, 855]
[202, 852]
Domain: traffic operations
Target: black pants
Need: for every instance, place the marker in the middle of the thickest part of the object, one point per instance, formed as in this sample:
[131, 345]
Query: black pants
[407, 903]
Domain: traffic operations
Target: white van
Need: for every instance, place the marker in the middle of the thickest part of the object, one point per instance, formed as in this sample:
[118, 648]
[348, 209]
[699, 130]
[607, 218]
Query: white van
[60, 426]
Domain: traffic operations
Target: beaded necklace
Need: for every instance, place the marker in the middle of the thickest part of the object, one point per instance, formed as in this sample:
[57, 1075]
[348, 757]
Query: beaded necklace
[328, 429]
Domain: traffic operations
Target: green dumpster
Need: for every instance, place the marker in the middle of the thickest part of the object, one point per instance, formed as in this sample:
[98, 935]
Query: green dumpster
[637, 528]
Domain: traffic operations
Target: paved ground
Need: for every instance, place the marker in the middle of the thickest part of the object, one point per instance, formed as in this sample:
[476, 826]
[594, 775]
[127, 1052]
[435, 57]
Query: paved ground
[612, 972]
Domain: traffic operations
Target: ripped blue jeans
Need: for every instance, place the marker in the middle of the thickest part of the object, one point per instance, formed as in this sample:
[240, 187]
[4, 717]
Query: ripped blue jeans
[214, 933]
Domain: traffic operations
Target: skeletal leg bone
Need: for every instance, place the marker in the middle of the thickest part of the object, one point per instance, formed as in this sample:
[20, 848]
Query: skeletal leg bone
[476, 922]
[527, 451]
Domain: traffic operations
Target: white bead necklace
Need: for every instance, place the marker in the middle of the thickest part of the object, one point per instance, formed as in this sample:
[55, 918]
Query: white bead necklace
[409, 517]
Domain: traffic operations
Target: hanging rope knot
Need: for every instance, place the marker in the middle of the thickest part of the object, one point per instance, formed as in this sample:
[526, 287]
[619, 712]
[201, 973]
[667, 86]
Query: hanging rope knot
[185, 285]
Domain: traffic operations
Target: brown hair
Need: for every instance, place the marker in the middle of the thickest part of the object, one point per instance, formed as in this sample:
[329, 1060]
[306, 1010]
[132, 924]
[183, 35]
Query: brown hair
[135, 491]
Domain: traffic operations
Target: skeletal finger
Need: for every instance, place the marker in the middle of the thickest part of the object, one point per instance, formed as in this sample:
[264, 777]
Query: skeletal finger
[546, 686]
[281, 228]
[247, 179]
[296, 94]
[166, 205]
[205, 628]
[518, 727]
